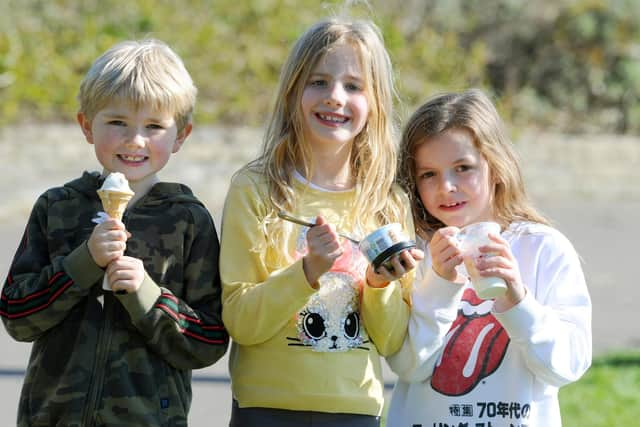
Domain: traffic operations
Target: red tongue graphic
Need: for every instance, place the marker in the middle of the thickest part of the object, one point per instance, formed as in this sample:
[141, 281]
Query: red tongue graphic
[474, 351]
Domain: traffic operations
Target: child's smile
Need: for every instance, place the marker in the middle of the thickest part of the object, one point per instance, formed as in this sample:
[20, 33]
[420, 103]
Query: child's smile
[136, 142]
[330, 119]
[132, 160]
[334, 101]
[452, 207]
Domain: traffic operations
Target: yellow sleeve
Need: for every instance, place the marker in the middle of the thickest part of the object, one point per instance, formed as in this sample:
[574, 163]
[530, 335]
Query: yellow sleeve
[257, 301]
[386, 315]
[385, 311]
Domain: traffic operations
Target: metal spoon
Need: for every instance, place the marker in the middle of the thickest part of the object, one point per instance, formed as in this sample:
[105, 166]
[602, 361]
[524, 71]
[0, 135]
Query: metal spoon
[287, 217]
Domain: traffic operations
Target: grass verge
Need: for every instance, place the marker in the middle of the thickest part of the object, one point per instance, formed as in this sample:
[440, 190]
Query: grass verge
[608, 394]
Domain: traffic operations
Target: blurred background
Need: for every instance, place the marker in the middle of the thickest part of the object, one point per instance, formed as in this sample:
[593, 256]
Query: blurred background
[565, 76]
[561, 64]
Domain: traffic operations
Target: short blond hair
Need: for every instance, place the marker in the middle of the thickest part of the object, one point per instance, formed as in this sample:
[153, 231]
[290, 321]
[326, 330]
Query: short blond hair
[144, 73]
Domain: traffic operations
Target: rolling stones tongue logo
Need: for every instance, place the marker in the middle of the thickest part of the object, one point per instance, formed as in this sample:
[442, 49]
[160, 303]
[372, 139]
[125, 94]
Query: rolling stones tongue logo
[474, 347]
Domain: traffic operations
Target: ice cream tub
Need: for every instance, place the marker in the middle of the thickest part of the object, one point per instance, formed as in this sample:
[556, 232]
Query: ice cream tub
[385, 242]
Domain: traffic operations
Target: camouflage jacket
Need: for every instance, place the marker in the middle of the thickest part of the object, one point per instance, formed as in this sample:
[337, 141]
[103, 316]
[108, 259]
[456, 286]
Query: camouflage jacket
[100, 359]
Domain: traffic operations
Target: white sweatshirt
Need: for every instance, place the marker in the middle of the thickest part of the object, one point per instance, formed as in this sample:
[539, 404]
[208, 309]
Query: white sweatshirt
[462, 364]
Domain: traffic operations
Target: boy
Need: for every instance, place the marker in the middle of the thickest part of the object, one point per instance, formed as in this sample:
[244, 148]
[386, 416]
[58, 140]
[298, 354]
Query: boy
[122, 357]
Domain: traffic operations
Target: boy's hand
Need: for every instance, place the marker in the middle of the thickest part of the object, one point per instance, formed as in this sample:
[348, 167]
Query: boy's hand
[402, 264]
[125, 274]
[107, 241]
[324, 248]
[445, 254]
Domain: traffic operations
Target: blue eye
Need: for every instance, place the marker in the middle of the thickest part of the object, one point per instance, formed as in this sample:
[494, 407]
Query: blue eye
[116, 123]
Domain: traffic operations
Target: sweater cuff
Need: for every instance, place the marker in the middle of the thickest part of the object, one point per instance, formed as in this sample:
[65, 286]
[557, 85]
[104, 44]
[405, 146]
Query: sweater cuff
[139, 303]
[380, 296]
[520, 320]
[81, 267]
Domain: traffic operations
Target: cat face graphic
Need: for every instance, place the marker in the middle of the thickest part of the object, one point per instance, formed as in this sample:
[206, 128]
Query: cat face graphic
[330, 322]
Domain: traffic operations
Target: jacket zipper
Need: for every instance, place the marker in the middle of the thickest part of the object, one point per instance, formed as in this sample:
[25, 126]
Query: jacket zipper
[94, 391]
[96, 381]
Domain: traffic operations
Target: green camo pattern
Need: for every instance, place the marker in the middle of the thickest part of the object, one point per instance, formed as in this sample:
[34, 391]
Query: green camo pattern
[98, 359]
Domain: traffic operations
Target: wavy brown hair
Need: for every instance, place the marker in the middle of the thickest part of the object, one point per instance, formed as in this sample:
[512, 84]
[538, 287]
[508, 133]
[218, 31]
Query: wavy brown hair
[471, 110]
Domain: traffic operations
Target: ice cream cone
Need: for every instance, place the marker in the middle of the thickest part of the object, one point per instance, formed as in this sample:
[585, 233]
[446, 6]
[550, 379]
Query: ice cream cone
[114, 202]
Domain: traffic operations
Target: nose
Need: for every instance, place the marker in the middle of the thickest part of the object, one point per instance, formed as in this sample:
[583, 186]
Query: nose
[136, 138]
[335, 96]
[448, 183]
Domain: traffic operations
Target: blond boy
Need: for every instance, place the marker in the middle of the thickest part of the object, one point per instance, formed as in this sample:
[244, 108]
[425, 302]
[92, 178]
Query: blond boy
[124, 357]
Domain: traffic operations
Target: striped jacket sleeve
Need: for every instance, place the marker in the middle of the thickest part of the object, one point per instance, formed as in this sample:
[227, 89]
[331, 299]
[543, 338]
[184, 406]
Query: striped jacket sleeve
[186, 330]
[39, 291]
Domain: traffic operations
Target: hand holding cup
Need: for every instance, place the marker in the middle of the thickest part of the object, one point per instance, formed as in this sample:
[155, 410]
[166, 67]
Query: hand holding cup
[471, 238]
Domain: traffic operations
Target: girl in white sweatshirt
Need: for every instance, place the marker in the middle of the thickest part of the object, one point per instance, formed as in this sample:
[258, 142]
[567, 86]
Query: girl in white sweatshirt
[473, 362]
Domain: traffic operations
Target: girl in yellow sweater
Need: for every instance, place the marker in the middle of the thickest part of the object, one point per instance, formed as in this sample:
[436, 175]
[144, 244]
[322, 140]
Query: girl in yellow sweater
[309, 316]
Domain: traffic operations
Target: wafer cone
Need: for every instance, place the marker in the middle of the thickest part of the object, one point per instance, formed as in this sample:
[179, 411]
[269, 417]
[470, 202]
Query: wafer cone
[114, 202]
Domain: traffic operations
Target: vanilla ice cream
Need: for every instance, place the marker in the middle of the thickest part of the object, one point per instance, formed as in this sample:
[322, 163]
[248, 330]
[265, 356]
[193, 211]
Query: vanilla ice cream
[115, 194]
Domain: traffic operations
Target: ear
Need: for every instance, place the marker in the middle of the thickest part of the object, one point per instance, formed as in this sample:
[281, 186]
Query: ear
[182, 136]
[85, 125]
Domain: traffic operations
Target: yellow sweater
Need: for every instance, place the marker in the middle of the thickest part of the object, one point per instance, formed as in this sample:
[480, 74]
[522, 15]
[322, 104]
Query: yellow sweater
[294, 347]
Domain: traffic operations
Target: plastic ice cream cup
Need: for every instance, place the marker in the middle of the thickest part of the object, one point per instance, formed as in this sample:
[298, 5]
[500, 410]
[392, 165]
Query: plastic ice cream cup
[470, 239]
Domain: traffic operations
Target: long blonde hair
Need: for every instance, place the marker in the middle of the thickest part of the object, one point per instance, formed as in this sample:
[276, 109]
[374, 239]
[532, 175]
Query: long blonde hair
[374, 152]
[471, 110]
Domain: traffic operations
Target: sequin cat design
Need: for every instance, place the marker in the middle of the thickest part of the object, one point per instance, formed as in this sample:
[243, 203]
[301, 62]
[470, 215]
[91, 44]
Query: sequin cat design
[330, 322]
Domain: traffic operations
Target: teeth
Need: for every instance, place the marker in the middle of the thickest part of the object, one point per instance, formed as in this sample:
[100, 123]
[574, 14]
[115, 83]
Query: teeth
[132, 158]
[332, 118]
